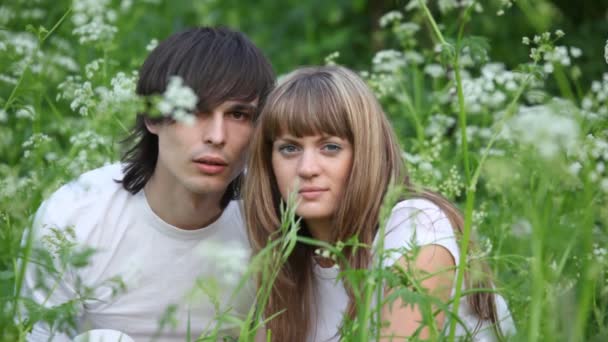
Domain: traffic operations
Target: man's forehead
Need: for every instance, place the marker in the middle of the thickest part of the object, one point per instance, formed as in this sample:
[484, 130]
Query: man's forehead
[231, 103]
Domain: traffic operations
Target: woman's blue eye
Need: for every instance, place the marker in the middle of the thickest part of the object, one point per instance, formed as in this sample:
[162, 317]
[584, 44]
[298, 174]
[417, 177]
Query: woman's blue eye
[288, 148]
[332, 147]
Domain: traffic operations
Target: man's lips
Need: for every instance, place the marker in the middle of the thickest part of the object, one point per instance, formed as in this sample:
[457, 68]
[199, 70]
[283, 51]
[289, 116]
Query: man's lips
[211, 165]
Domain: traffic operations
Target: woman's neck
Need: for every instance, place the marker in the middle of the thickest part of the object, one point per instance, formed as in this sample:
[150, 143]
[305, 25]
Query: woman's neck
[319, 229]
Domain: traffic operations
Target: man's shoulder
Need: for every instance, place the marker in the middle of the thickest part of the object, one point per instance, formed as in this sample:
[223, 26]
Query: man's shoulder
[81, 197]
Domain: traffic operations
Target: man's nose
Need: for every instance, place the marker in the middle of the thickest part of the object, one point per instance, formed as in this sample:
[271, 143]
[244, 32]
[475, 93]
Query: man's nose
[308, 165]
[215, 130]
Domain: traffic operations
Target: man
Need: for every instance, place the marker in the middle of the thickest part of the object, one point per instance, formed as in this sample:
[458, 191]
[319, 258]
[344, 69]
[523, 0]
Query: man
[157, 220]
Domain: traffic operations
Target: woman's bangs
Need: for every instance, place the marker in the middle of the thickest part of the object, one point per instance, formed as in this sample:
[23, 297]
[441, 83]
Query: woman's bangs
[307, 107]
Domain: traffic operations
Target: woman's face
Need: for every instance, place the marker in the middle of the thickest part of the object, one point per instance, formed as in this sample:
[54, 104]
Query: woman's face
[315, 166]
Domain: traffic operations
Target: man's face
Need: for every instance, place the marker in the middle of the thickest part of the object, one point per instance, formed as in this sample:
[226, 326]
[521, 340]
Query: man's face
[205, 157]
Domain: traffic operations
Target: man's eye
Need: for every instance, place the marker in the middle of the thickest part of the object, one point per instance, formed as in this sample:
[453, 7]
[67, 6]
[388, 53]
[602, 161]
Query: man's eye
[240, 115]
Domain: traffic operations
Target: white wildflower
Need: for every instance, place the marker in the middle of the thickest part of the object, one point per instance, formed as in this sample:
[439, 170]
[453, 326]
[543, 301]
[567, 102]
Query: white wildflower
[575, 168]
[438, 124]
[521, 228]
[388, 61]
[332, 57]
[91, 68]
[390, 18]
[230, 260]
[125, 5]
[604, 185]
[178, 101]
[606, 51]
[587, 103]
[404, 30]
[413, 57]
[545, 129]
[123, 87]
[152, 45]
[434, 70]
[525, 40]
[575, 52]
[93, 19]
[559, 33]
[3, 115]
[26, 112]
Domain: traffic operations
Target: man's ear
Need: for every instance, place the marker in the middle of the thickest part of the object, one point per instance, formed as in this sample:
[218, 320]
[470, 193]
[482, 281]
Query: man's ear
[152, 126]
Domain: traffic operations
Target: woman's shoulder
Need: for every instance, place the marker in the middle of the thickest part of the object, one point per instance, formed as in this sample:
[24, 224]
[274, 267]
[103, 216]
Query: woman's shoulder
[418, 222]
[418, 214]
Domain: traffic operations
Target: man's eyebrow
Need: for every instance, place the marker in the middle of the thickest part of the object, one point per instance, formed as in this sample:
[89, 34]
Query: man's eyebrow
[246, 107]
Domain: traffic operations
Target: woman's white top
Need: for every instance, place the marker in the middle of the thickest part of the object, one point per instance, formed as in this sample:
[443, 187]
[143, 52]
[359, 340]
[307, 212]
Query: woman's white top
[413, 222]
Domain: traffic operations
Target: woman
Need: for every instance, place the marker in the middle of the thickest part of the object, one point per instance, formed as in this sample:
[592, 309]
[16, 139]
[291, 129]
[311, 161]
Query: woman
[323, 135]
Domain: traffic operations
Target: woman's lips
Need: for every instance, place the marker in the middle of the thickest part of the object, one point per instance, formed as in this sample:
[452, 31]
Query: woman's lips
[311, 193]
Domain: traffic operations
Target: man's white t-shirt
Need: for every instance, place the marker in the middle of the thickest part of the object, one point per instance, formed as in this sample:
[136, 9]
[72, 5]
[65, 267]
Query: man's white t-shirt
[186, 277]
[414, 222]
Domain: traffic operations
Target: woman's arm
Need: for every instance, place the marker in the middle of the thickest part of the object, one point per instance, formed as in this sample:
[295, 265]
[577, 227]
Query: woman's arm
[434, 264]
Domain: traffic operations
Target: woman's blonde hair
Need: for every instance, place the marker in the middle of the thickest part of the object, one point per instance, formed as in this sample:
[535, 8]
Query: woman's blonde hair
[335, 101]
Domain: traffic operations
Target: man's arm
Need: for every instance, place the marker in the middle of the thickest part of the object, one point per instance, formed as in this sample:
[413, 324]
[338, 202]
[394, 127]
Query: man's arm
[48, 291]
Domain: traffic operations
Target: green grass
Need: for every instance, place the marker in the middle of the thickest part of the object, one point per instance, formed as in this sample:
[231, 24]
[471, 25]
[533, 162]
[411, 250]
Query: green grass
[522, 150]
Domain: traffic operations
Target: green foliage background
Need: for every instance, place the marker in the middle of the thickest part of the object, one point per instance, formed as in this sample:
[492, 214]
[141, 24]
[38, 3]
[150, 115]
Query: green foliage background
[542, 229]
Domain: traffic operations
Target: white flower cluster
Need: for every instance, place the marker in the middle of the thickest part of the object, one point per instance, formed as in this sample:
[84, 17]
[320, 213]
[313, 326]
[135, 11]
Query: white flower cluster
[92, 67]
[453, 185]
[434, 70]
[549, 128]
[475, 133]
[89, 139]
[179, 101]
[606, 51]
[33, 142]
[382, 84]
[543, 44]
[388, 61]
[390, 18]
[560, 55]
[420, 165]
[81, 95]
[93, 20]
[446, 6]
[6, 15]
[26, 112]
[489, 91]
[595, 103]
[123, 86]
[521, 228]
[406, 30]
[229, 259]
[438, 124]
[152, 44]
[332, 57]
[23, 46]
[84, 98]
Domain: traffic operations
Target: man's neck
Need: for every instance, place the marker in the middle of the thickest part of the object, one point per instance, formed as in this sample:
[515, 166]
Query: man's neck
[180, 207]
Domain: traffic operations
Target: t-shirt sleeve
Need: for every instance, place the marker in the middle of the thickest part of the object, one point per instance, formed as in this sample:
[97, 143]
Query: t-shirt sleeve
[416, 223]
[47, 281]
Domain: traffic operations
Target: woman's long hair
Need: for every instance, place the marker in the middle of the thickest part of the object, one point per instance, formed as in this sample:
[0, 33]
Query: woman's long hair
[335, 101]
